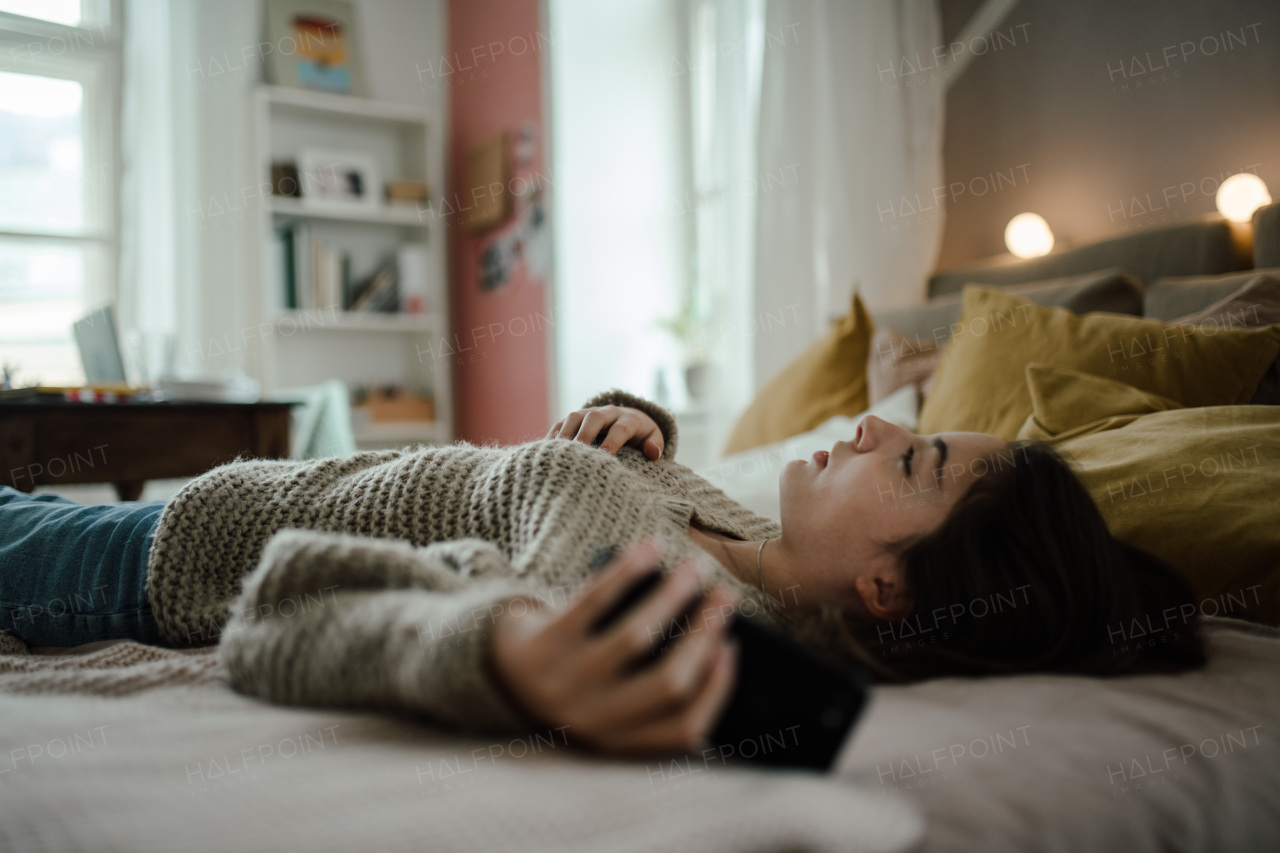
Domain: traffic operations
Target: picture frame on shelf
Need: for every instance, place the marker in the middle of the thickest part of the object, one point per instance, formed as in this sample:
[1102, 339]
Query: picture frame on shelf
[314, 46]
[342, 178]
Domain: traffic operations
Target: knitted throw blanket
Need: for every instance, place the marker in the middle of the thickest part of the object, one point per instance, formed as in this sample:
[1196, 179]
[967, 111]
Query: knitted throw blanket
[372, 580]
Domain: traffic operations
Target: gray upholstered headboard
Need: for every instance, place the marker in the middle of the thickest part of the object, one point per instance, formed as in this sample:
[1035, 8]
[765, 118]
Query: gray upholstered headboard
[1266, 236]
[1203, 247]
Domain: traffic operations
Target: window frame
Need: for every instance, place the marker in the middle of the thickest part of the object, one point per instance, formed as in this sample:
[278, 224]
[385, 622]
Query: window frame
[91, 55]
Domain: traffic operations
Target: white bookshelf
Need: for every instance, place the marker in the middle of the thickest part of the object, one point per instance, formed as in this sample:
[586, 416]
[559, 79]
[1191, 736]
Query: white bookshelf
[388, 215]
[347, 321]
[340, 107]
[308, 346]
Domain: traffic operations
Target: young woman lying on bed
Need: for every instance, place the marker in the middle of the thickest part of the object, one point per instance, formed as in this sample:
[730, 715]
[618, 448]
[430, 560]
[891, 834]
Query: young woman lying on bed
[453, 581]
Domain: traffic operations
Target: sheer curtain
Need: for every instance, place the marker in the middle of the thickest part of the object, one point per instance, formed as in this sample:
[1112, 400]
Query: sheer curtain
[155, 159]
[726, 47]
[187, 145]
[826, 130]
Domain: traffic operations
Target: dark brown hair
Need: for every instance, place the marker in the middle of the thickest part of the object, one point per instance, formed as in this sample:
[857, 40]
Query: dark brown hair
[1024, 575]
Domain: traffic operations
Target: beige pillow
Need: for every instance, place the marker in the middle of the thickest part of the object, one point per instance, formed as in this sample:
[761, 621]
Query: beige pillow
[1196, 487]
[827, 379]
[980, 385]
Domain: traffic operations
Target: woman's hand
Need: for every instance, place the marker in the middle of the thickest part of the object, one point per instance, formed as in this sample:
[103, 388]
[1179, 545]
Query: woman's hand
[624, 425]
[565, 675]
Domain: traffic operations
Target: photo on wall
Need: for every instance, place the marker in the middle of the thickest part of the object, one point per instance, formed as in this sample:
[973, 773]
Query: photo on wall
[313, 46]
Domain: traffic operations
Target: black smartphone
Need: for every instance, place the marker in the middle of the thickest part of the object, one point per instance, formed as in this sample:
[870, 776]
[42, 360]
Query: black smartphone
[789, 708]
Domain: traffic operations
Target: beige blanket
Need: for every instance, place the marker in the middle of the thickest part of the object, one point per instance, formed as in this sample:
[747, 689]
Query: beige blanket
[1052, 763]
[132, 748]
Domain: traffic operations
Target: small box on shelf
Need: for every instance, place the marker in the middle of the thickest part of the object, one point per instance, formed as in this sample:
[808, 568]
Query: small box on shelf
[393, 404]
[407, 192]
[390, 416]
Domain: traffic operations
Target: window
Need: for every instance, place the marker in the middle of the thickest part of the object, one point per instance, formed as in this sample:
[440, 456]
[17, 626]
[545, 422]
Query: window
[59, 67]
[622, 218]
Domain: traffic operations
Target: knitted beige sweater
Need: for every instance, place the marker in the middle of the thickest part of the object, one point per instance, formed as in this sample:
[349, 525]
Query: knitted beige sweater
[372, 580]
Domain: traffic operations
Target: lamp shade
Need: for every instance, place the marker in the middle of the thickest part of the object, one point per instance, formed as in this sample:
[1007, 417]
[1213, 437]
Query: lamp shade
[1028, 236]
[1240, 195]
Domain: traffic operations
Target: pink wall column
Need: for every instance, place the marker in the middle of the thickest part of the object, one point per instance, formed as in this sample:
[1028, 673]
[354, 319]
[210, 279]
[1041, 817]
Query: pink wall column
[500, 335]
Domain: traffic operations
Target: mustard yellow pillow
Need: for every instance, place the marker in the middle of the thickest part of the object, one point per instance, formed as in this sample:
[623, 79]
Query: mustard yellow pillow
[979, 384]
[827, 379]
[1066, 403]
[1196, 487]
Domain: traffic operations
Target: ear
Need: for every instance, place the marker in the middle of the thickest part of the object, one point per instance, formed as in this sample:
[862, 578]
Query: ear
[884, 594]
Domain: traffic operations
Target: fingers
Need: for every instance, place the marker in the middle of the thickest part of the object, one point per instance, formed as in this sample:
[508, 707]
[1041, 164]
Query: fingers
[691, 726]
[569, 426]
[559, 671]
[584, 425]
[595, 421]
[619, 434]
[643, 626]
[680, 674]
[604, 589]
[631, 429]
[618, 424]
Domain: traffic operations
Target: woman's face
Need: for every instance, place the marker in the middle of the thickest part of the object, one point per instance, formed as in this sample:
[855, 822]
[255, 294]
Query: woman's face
[843, 508]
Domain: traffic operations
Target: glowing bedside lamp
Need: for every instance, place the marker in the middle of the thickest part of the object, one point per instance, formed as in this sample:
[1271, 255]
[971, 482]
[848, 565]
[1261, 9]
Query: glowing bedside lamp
[1240, 195]
[1028, 236]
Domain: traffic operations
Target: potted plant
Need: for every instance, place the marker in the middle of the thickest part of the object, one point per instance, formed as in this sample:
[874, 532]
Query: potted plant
[689, 329]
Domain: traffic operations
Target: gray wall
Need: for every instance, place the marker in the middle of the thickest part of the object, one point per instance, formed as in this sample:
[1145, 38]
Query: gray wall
[1065, 124]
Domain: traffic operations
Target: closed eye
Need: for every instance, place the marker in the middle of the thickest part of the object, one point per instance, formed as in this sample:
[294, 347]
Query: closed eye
[906, 458]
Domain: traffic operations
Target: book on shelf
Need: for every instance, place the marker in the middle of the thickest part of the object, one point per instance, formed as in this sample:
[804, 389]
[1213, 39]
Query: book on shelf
[312, 274]
[284, 266]
[379, 292]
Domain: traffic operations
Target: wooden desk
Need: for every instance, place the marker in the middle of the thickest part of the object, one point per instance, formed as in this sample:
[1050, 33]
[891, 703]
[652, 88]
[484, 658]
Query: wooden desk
[126, 444]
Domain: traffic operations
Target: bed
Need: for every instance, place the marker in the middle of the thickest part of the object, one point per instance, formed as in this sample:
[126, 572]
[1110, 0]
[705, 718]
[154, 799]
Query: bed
[119, 746]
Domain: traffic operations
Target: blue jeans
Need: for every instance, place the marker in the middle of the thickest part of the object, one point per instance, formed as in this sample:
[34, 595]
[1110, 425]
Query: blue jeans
[73, 573]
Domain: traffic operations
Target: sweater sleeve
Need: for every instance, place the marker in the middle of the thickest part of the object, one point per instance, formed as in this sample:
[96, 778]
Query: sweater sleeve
[664, 419]
[337, 620]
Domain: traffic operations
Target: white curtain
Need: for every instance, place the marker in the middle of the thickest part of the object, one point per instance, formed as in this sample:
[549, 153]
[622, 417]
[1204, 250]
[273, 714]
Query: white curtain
[186, 141]
[726, 44]
[850, 142]
[154, 160]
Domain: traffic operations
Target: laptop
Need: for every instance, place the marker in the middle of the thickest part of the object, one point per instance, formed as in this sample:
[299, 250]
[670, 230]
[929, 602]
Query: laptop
[99, 347]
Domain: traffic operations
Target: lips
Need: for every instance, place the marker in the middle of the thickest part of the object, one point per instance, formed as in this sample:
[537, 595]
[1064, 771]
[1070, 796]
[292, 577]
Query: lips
[820, 457]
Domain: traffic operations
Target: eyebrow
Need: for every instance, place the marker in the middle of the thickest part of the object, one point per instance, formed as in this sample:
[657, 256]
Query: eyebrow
[941, 447]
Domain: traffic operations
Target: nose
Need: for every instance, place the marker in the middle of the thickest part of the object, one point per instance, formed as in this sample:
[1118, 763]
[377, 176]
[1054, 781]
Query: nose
[864, 438]
[873, 430]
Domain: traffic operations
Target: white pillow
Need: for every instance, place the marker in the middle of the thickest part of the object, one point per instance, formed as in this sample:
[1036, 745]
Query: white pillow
[751, 477]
